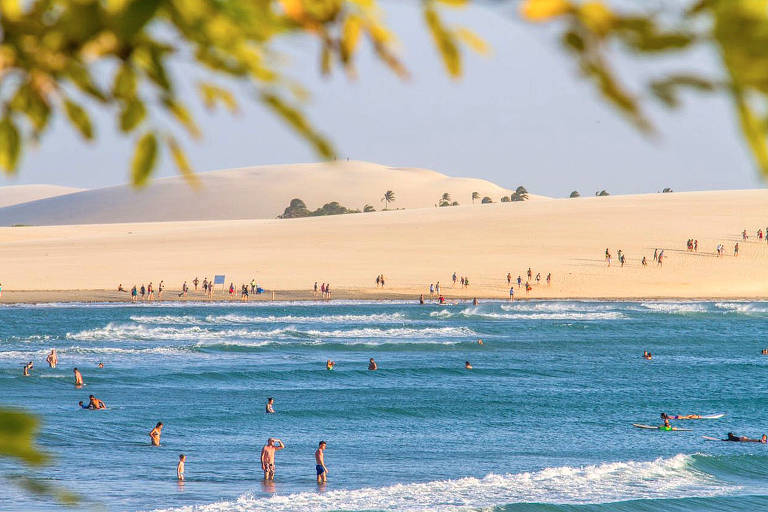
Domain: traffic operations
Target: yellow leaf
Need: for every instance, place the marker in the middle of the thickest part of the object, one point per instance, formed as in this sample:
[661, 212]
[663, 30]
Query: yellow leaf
[751, 127]
[544, 10]
[10, 145]
[182, 115]
[596, 16]
[293, 8]
[350, 35]
[472, 40]
[182, 164]
[79, 118]
[144, 159]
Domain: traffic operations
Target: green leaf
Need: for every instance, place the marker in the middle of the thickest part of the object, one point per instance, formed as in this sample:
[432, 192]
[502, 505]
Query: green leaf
[298, 122]
[134, 16]
[132, 115]
[79, 118]
[182, 164]
[182, 115]
[213, 94]
[10, 145]
[125, 82]
[144, 159]
[753, 132]
[17, 434]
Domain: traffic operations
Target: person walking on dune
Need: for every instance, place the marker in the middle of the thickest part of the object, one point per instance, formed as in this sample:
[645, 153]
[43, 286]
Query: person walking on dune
[268, 457]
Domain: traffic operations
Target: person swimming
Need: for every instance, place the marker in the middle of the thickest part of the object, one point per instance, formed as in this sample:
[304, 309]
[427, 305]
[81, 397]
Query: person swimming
[270, 403]
[95, 403]
[467, 365]
[329, 365]
[83, 406]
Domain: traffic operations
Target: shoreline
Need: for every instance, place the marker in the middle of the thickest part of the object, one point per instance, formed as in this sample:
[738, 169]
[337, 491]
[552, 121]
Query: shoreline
[96, 296]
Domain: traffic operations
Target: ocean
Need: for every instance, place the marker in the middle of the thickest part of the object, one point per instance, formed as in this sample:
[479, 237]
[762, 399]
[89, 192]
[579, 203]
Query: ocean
[543, 421]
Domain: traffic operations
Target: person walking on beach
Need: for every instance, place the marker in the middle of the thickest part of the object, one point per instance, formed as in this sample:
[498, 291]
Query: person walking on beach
[134, 294]
[314, 291]
[270, 405]
[431, 289]
[372, 365]
[511, 293]
[268, 457]
[160, 289]
[519, 281]
[736, 249]
[549, 278]
[322, 471]
[52, 358]
[78, 377]
[195, 282]
[154, 434]
[453, 277]
[529, 273]
[180, 467]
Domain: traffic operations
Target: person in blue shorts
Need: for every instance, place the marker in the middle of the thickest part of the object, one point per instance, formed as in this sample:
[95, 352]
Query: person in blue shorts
[322, 471]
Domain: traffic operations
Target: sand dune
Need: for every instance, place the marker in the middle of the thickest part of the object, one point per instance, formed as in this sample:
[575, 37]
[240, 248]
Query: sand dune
[17, 194]
[417, 246]
[251, 193]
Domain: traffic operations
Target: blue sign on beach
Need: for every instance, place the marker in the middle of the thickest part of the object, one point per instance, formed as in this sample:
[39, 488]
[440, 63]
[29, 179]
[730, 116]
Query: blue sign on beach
[218, 279]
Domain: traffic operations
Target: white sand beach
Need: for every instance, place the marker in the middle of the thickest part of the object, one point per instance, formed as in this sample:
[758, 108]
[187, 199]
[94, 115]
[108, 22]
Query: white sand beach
[412, 247]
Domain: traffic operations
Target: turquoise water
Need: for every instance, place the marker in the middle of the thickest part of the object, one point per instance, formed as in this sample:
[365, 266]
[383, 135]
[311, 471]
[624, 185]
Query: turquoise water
[542, 422]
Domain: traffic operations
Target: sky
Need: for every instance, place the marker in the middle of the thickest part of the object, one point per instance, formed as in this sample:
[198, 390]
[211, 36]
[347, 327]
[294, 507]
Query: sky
[519, 116]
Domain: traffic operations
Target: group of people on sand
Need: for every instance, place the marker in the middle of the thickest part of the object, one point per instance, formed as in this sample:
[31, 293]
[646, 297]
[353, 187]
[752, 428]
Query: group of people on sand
[528, 285]
[324, 290]
[760, 234]
[463, 281]
[380, 280]
[144, 292]
[149, 294]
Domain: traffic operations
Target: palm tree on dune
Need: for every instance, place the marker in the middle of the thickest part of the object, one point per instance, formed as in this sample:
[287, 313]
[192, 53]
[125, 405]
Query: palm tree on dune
[389, 197]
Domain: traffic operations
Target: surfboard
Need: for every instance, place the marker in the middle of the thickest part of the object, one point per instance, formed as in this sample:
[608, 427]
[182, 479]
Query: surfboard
[711, 438]
[656, 427]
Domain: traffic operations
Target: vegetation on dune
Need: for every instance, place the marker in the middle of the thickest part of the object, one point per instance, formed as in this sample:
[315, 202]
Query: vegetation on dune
[575, 193]
[387, 198]
[297, 209]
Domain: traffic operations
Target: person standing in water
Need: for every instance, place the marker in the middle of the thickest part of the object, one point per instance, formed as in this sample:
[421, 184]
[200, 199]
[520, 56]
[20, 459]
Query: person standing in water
[78, 377]
[52, 358]
[154, 434]
[372, 364]
[270, 403]
[268, 457]
[180, 467]
[322, 471]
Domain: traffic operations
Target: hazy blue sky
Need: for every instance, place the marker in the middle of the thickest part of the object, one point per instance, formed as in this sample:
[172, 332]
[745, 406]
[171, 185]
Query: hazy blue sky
[519, 116]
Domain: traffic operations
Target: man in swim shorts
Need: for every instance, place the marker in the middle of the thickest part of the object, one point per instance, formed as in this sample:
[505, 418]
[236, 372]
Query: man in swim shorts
[268, 457]
[78, 377]
[322, 471]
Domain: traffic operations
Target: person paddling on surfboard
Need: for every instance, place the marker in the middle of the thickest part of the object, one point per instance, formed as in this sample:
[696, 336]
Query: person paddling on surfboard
[745, 439]
[666, 416]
